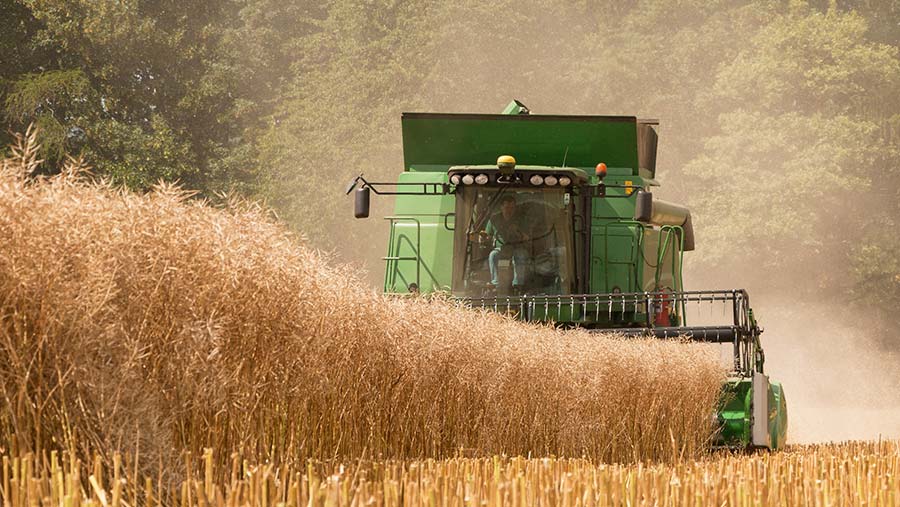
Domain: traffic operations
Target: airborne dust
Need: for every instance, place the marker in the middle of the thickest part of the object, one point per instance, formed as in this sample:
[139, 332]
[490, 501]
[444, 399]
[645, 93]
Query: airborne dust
[841, 384]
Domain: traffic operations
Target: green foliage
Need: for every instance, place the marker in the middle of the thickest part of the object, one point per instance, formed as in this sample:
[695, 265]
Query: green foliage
[140, 157]
[876, 273]
[51, 100]
[800, 144]
[144, 90]
[808, 61]
[355, 70]
[783, 194]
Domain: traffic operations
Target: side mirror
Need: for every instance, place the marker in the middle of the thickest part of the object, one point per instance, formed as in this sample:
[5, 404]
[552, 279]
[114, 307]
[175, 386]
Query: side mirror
[643, 206]
[361, 202]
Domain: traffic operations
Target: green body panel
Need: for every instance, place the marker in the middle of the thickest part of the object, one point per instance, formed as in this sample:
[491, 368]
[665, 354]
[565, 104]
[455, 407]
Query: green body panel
[422, 237]
[778, 418]
[615, 254]
[735, 415]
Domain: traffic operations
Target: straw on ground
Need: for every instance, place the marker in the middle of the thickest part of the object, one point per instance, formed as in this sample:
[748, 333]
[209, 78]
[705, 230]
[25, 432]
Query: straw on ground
[850, 474]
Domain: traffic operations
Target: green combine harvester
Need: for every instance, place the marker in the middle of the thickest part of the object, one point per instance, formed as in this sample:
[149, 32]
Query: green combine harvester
[551, 219]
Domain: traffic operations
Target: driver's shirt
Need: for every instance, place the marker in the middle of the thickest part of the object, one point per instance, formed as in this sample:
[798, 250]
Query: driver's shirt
[506, 231]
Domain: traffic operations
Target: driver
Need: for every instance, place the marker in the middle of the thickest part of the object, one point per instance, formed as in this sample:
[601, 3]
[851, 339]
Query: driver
[507, 230]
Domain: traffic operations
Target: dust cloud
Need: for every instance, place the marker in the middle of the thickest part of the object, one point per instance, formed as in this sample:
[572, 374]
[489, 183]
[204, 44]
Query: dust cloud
[840, 383]
[839, 376]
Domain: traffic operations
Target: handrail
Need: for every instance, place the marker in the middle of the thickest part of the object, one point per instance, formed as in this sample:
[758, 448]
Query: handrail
[446, 221]
[392, 256]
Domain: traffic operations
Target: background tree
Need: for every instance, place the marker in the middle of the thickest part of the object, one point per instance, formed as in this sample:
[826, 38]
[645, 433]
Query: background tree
[143, 89]
[801, 150]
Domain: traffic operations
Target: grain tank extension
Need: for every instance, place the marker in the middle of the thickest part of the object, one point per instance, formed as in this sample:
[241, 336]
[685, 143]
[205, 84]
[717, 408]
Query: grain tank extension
[552, 218]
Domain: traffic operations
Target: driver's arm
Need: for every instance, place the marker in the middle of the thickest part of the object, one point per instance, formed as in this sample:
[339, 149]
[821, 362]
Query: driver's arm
[488, 232]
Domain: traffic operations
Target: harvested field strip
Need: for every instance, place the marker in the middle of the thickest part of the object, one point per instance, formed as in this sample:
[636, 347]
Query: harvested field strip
[158, 323]
[850, 474]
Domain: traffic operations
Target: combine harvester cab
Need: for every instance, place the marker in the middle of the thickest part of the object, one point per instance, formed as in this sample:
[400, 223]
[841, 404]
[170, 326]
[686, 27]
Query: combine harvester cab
[551, 219]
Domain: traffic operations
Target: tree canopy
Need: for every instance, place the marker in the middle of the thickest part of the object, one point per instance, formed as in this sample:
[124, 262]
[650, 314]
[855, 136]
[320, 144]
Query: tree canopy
[780, 120]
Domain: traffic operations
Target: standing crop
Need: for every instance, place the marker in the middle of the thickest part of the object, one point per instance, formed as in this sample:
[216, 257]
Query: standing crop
[156, 322]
